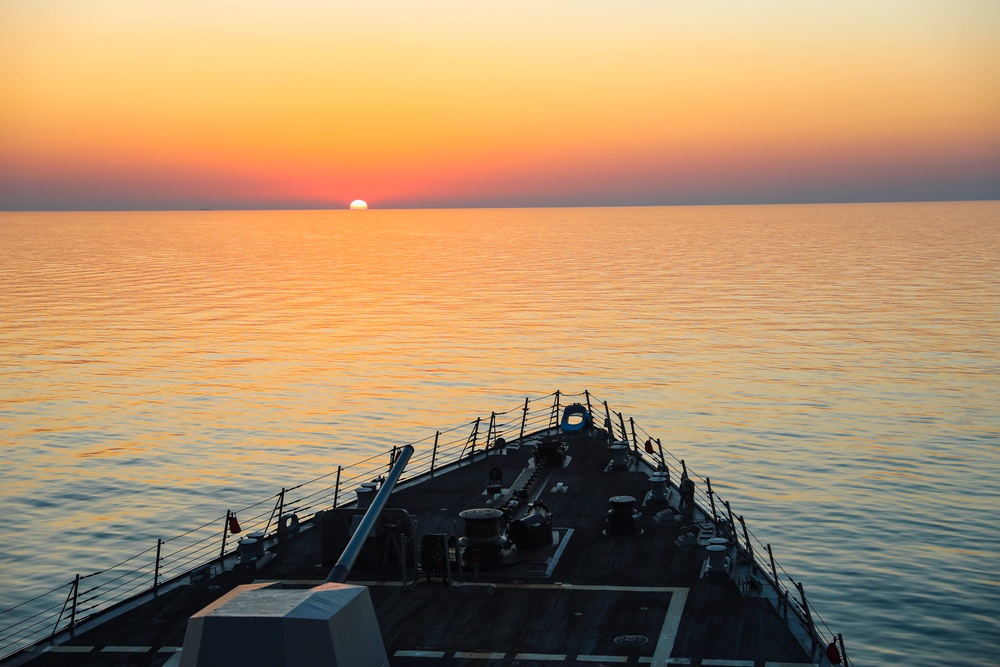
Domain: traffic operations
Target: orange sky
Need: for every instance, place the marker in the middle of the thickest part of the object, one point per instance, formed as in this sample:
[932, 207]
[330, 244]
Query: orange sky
[123, 104]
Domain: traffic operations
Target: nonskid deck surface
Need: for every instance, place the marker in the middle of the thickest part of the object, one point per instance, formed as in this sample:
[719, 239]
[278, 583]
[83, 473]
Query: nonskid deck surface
[585, 599]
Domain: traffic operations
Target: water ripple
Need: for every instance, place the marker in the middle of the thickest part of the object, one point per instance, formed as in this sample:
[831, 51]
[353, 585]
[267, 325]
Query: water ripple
[834, 369]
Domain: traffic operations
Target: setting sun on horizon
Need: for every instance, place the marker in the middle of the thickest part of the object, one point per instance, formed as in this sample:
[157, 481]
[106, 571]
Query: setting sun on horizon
[113, 104]
[359, 205]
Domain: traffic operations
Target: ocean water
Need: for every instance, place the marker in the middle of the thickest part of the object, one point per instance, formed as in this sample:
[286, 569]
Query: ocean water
[834, 369]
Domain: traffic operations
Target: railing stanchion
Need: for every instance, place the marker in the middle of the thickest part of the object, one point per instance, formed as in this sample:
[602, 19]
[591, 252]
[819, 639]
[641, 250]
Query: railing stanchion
[74, 586]
[711, 499]
[843, 649]
[336, 488]
[621, 422]
[663, 461]
[470, 444]
[491, 434]
[608, 424]
[590, 411]
[805, 608]
[635, 440]
[434, 452]
[524, 419]
[225, 534]
[554, 417]
[72, 609]
[774, 570]
[732, 525]
[746, 538]
[279, 508]
[156, 568]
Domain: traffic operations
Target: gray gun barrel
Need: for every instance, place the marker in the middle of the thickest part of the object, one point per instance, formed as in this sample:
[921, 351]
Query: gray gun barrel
[343, 567]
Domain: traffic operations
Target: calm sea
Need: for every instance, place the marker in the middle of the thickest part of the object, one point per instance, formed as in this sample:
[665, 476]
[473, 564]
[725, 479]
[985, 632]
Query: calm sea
[834, 369]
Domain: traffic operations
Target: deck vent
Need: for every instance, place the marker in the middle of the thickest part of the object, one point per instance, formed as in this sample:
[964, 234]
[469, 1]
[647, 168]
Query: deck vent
[622, 517]
[631, 640]
[482, 543]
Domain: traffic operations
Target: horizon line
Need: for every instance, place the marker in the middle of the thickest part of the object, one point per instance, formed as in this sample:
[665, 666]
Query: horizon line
[485, 207]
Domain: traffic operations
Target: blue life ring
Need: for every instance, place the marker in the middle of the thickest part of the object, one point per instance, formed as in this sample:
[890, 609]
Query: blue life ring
[575, 410]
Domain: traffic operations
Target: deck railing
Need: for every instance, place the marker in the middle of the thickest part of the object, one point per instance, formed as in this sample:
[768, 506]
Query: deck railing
[762, 567]
[201, 551]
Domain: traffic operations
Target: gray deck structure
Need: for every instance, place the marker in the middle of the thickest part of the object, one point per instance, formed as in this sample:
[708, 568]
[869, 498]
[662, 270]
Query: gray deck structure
[587, 598]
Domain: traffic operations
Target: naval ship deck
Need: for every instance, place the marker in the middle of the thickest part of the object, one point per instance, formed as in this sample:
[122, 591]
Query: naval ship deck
[586, 598]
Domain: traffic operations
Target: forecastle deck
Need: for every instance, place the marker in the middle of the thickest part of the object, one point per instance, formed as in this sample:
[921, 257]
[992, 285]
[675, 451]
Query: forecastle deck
[585, 598]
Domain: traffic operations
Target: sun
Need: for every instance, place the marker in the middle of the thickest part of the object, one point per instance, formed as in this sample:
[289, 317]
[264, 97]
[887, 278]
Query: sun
[359, 205]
